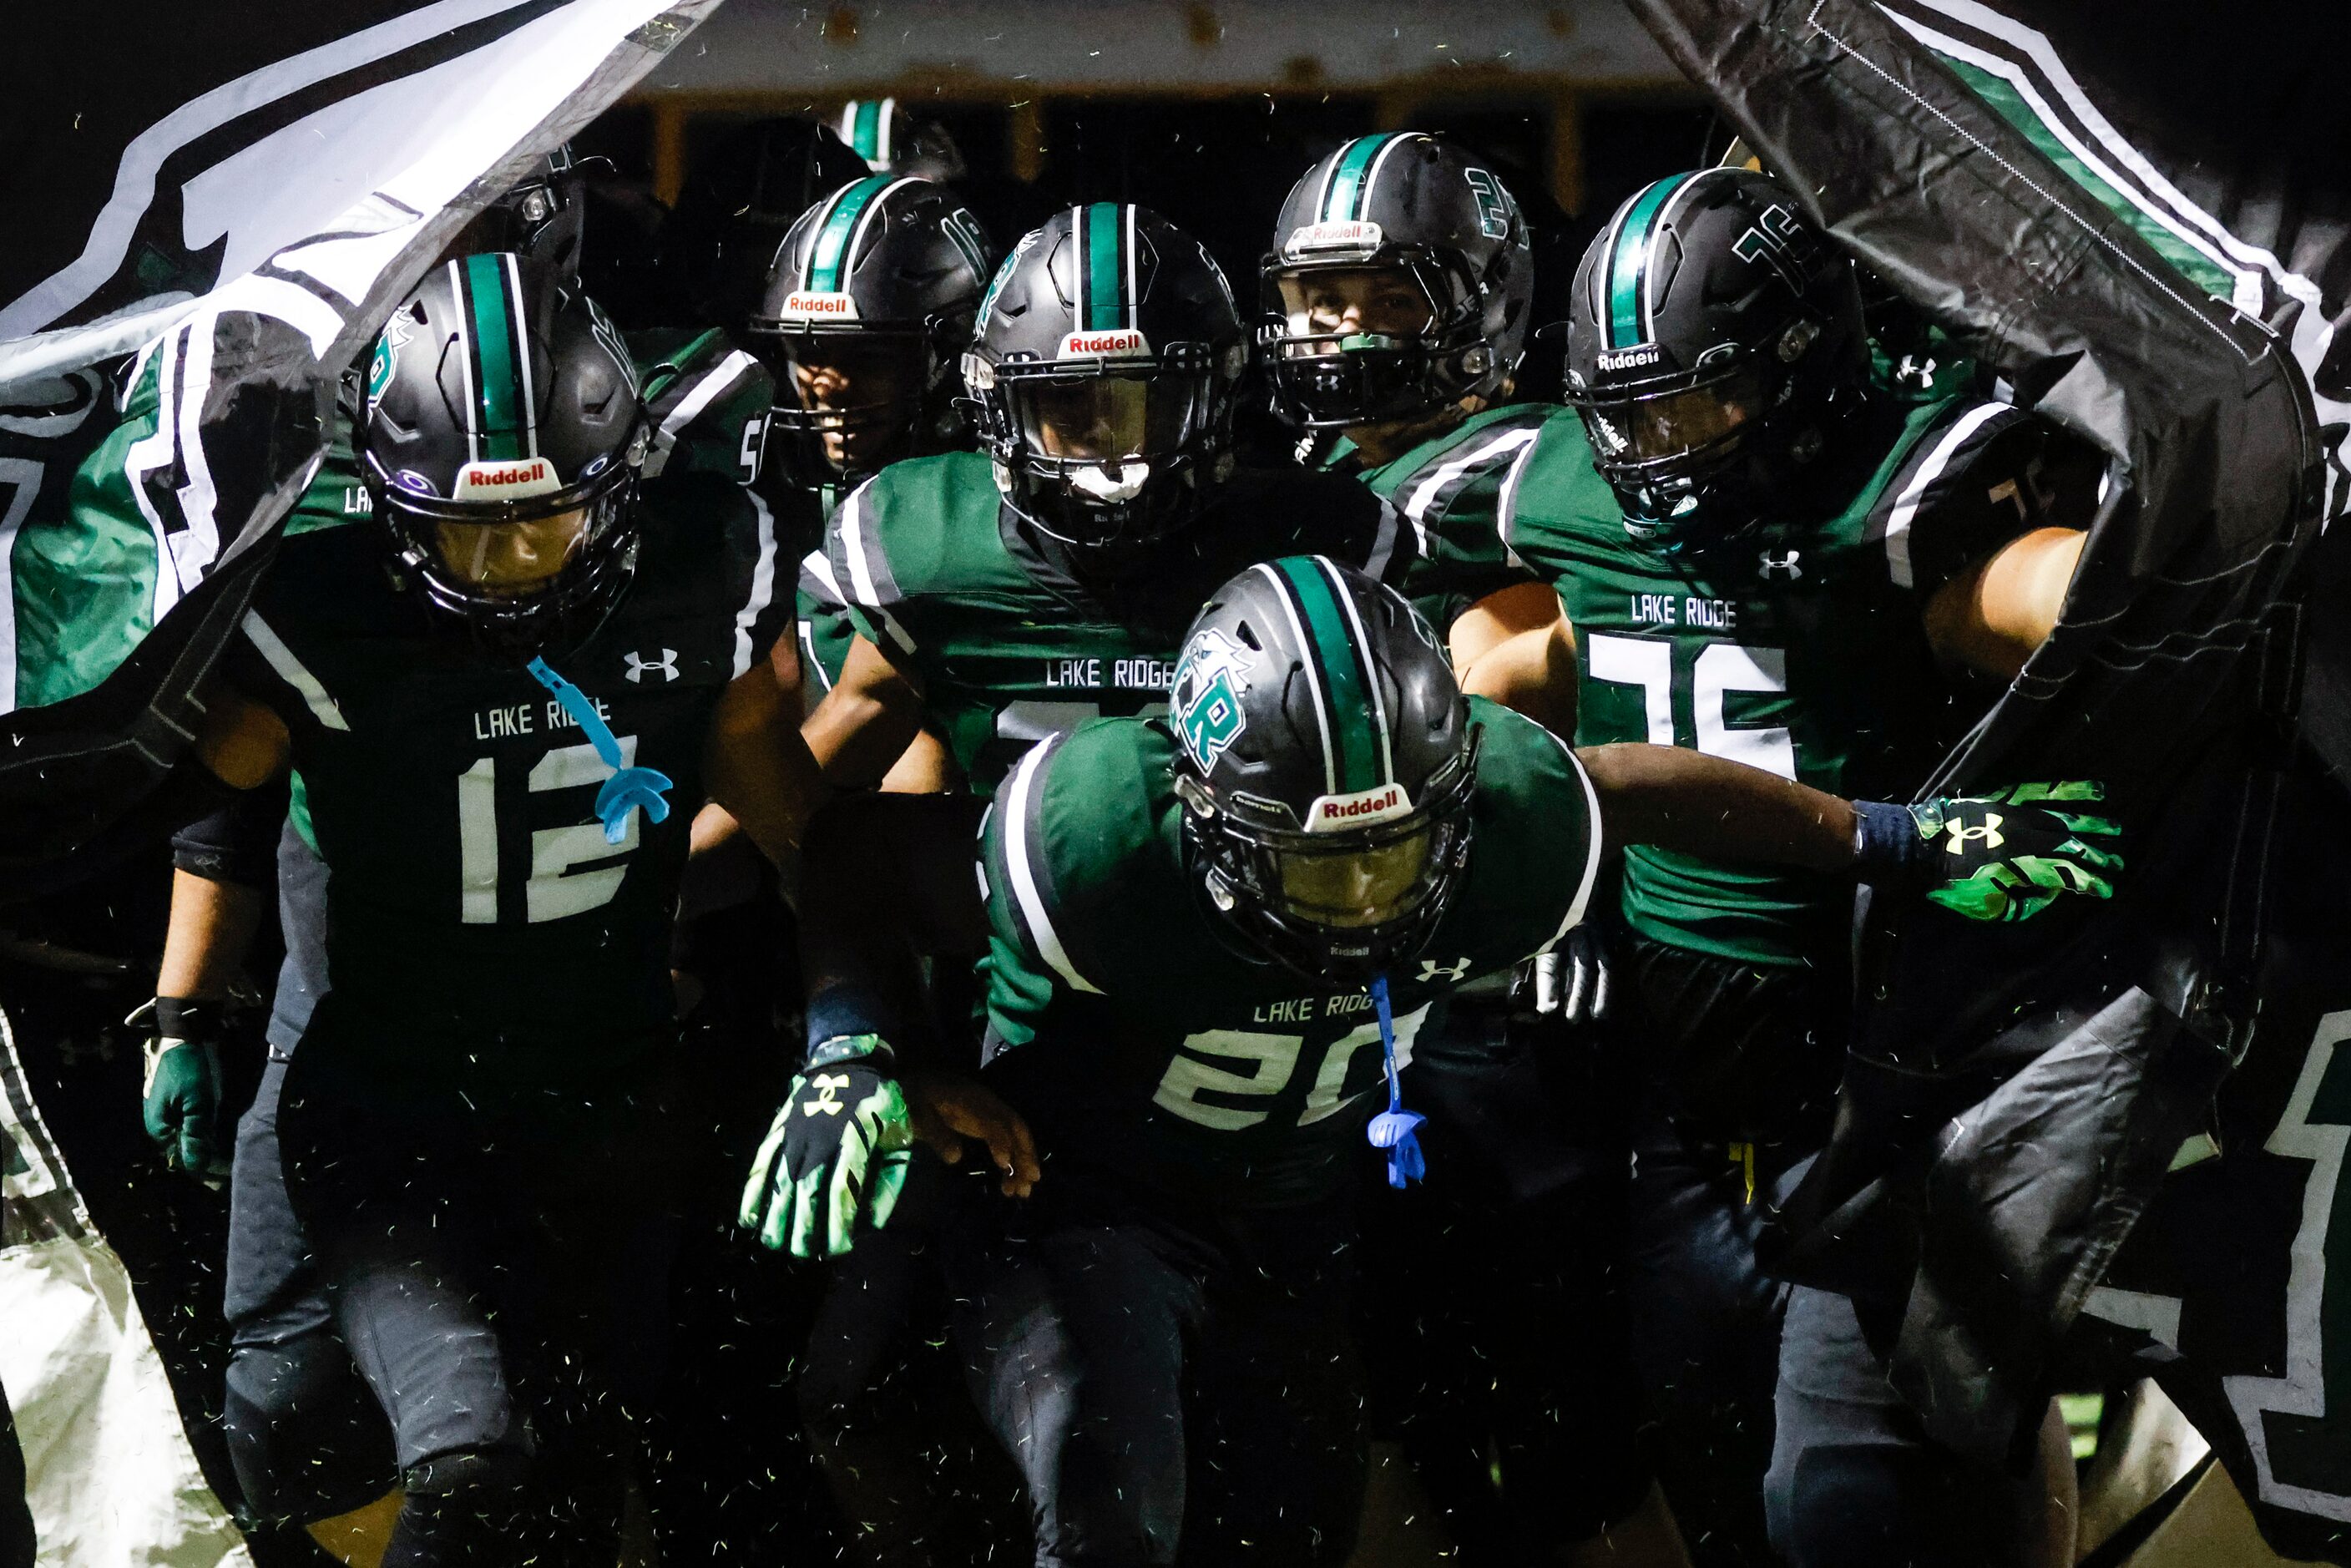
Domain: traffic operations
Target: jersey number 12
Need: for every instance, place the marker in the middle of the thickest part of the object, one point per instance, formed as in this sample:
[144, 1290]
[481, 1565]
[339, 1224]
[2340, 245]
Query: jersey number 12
[553, 889]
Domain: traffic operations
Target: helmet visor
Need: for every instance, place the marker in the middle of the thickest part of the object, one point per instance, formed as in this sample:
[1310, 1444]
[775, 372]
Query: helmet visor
[1330, 309]
[1105, 419]
[511, 559]
[1352, 886]
[1663, 426]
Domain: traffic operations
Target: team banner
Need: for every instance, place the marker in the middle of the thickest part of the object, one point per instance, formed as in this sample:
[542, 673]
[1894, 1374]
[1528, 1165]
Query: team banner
[2113, 219]
[109, 1477]
[236, 207]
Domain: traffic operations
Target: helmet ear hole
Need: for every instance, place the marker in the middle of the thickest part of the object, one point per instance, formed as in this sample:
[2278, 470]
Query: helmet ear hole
[1247, 635]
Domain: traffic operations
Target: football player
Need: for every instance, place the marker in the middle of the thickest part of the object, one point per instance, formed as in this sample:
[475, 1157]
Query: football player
[1769, 556]
[868, 306]
[1008, 593]
[504, 860]
[1396, 298]
[1396, 295]
[1213, 941]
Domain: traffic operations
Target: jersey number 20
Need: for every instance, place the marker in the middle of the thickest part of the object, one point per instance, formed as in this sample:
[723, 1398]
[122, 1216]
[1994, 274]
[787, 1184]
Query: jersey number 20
[553, 888]
[1269, 1062]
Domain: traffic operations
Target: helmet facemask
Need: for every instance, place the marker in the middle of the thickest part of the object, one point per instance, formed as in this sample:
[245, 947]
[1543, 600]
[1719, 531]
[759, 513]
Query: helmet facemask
[1395, 338]
[1111, 459]
[1338, 906]
[849, 401]
[522, 576]
[1672, 445]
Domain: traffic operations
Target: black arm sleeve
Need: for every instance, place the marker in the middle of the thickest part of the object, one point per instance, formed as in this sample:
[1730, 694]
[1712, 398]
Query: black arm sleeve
[188, 792]
[2010, 474]
[886, 880]
[237, 844]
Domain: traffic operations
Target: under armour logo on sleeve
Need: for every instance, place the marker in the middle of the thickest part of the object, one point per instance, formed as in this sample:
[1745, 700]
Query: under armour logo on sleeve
[640, 666]
[1784, 566]
[1453, 973]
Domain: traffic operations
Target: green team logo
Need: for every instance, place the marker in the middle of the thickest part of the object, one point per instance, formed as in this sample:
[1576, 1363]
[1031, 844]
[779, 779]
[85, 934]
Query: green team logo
[1003, 276]
[1206, 698]
[386, 360]
[1493, 203]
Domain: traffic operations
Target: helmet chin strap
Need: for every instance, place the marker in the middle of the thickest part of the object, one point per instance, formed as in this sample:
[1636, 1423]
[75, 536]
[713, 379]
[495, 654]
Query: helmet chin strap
[1097, 481]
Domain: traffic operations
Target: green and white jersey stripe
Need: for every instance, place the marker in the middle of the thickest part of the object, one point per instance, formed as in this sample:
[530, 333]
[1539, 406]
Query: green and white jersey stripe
[501, 423]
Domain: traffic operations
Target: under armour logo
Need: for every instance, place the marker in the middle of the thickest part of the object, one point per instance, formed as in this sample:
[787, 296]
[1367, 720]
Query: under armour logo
[1430, 969]
[1786, 565]
[1961, 835]
[1916, 372]
[640, 666]
[829, 1086]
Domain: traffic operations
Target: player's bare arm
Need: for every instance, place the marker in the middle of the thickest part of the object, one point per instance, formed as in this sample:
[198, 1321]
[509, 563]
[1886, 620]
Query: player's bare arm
[1515, 647]
[1991, 617]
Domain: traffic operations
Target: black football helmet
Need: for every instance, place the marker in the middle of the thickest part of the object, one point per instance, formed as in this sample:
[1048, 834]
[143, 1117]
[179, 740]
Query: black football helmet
[500, 443]
[1326, 762]
[1715, 340]
[1101, 376]
[877, 283]
[1405, 211]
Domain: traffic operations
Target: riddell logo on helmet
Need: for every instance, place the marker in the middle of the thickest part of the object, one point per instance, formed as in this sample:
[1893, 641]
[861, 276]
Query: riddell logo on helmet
[1354, 237]
[1328, 813]
[809, 305]
[506, 481]
[1130, 344]
[1631, 358]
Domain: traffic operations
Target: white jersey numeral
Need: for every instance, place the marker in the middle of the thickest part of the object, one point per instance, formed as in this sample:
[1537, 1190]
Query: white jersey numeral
[1719, 668]
[553, 889]
[1272, 1066]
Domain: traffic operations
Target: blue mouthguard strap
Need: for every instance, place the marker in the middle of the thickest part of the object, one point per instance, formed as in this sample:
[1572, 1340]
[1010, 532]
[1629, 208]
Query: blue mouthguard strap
[628, 788]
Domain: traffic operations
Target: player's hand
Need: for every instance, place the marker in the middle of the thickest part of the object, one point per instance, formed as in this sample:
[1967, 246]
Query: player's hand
[2011, 852]
[834, 1160]
[950, 1109]
[181, 1087]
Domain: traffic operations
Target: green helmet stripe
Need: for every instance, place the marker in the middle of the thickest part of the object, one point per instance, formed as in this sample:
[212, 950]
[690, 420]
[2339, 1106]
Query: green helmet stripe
[500, 362]
[1347, 692]
[1628, 262]
[865, 128]
[1349, 186]
[1103, 307]
[829, 257]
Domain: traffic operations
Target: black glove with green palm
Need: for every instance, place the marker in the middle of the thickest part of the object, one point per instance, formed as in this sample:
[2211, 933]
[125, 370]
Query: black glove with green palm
[2006, 855]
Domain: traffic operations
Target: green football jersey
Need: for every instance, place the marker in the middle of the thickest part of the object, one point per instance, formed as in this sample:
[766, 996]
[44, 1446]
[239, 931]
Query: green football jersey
[476, 910]
[1452, 488]
[1128, 1024]
[1796, 646]
[1010, 646]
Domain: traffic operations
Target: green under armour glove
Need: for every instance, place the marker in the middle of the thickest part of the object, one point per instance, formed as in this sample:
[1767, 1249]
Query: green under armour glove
[835, 1158]
[182, 1084]
[2007, 854]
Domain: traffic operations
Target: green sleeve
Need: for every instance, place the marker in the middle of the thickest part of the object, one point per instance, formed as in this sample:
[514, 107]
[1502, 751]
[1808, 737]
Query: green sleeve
[1536, 838]
[1072, 837]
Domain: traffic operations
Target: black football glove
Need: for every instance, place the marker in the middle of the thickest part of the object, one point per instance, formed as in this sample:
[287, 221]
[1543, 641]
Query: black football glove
[2007, 854]
[835, 1158]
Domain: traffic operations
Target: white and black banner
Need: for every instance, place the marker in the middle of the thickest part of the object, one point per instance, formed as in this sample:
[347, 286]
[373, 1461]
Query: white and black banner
[242, 229]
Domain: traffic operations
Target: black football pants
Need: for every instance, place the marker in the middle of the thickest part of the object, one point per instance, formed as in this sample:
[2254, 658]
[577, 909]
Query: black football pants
[1172, 1391]
[497, 1260]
